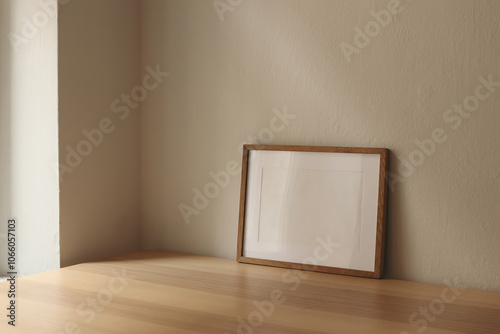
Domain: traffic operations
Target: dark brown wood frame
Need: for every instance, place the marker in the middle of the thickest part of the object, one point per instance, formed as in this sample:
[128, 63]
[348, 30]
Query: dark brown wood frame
[381, 210]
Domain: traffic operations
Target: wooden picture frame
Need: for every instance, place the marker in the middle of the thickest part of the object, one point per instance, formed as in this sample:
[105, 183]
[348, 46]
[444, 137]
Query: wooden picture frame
[314, 208]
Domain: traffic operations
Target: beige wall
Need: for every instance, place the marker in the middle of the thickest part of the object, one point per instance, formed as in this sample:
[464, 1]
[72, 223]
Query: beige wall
[5, 132]
[29, 190]
[228, 75]
[98, 62]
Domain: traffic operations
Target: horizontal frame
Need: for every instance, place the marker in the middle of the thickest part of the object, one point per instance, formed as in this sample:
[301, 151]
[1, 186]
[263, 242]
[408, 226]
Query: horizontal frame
[376, 222]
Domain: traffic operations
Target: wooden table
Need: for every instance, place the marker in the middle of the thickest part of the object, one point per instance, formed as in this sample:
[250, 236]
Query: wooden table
[158, 292]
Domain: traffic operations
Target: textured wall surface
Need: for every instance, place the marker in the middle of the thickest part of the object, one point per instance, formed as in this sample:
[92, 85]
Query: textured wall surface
[29, 189]
[399, 84]
[98, 148]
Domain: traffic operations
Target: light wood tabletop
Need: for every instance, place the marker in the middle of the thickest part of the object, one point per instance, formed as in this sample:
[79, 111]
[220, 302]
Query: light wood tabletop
[161, 292]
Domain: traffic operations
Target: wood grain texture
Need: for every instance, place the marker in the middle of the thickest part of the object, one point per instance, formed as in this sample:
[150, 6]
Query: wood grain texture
[243, 192]
[381, 214]
[381, 209]
[178, 293]
[332, 149]
[308, 267]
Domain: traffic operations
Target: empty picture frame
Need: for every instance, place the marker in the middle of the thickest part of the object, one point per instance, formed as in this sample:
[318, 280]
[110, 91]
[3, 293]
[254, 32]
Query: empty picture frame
[314, 208]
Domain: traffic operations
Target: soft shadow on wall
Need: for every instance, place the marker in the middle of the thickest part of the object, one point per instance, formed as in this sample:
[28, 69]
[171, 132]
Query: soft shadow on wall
[228, 75]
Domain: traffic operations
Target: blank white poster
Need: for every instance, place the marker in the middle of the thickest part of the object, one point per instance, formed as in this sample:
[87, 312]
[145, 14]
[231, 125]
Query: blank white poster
[299, 201]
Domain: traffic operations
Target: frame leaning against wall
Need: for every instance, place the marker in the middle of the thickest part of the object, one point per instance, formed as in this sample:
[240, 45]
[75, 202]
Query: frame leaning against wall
[314, 208]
